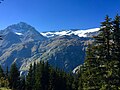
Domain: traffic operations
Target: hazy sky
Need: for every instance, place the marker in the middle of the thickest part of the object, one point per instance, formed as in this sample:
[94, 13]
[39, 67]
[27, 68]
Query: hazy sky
[49, 15]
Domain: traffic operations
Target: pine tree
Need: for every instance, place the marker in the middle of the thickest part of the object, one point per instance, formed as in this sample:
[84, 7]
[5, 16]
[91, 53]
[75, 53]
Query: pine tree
[14, 77]
[71, 81]
[45, 76]
[7, 73]
[1, 72]
[22, 83]
[105, 65]
[116, 51]
[29, 78]
[52, 79]
[88, 78]
[34, 72]
[38, 85]
[97, 66]
[42, 78]
[2, 77]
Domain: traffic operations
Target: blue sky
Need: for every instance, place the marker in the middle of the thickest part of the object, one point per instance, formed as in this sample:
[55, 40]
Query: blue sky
[49, 15]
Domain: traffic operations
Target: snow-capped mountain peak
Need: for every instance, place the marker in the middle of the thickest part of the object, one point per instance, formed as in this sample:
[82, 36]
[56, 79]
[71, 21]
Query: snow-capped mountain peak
[80, 33]
[24, 31]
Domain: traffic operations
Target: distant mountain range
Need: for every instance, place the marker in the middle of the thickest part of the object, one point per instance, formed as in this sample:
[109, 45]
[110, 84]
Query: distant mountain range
[80, 33]
[24, 45]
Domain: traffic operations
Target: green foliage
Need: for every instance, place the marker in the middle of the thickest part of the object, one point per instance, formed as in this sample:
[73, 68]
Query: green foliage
[3, 81]
[4, 88]
[1, 72]
[101, 70]
[29, 79]
[14, 77]
[47, 78]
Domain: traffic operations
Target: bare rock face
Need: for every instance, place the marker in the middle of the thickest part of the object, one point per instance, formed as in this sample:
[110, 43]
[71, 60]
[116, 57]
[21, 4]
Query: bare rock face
[24, 45]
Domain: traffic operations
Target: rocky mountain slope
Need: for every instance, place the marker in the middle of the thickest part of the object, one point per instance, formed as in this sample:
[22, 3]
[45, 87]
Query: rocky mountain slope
[24, 45]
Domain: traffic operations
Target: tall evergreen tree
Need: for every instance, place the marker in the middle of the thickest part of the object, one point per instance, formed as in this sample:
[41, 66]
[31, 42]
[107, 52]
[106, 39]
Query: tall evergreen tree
[116, 51]
[52, 79]
[97, 67]
[46, 75]
[22, 84]
[34, 72]
[38, 85]
[1, 77]
[29, 79]
[105, 65]
[1, 72]
[6, 73]
[14, 77]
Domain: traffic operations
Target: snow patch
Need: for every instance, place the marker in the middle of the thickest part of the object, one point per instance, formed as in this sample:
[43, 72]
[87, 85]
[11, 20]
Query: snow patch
[80, 33]
[18, 33]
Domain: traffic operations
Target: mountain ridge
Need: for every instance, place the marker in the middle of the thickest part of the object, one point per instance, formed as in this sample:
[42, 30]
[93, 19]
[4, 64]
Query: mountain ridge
[80, 33]
[24, 45]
